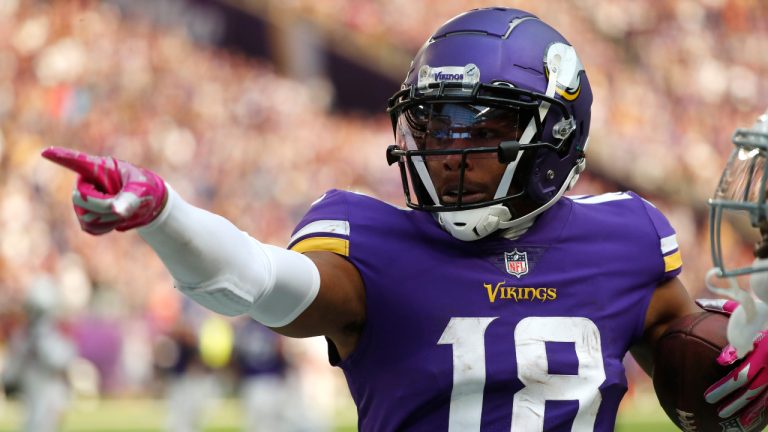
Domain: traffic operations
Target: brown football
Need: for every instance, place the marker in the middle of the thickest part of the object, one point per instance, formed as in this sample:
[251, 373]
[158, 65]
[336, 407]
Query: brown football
[685, 366]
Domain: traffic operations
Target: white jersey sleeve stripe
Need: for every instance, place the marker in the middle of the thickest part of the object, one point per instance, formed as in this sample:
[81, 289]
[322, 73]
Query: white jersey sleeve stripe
[648, 202]
[597, 199]
[668, 244]
[340, 227]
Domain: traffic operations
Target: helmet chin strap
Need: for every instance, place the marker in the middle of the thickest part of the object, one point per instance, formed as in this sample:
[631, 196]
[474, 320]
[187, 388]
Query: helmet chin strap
[474, 224]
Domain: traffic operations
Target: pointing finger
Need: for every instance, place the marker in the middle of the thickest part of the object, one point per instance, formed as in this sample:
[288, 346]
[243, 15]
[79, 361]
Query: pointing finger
[82, 163]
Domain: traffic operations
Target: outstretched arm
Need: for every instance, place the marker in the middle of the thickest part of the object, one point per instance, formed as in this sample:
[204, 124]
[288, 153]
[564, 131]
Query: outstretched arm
[211, 260]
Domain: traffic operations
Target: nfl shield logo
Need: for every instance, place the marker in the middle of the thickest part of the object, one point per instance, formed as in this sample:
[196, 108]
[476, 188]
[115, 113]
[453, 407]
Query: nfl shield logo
[517, 262]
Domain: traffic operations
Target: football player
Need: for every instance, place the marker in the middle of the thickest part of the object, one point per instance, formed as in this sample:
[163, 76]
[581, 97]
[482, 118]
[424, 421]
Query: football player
[38, 360]
[493, 303]
[742, 190]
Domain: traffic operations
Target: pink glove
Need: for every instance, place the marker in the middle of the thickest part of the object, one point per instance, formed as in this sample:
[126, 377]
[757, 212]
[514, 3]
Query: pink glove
[743, 390]
[110, 193]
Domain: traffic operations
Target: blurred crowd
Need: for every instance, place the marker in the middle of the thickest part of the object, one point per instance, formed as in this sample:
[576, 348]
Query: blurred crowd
[227, 132]
[672, 79]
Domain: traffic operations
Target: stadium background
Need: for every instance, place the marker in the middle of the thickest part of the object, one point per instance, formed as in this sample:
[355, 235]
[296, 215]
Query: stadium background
[253, 108]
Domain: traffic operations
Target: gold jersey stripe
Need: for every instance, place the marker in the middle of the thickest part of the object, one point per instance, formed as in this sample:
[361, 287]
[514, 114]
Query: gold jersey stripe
[673, 261]
[331, 244]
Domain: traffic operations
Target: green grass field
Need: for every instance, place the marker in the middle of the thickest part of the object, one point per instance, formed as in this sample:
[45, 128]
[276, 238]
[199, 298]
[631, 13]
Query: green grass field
[642, 413]
[138, 415]
[147, 415]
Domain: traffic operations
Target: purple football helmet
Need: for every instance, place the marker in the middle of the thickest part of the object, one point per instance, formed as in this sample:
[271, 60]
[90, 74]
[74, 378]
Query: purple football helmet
[492, 83]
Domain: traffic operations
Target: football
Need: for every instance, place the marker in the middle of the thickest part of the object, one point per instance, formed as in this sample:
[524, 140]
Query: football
[693, 344]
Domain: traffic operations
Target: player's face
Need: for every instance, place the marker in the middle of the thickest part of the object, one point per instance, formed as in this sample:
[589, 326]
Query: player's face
[463, 127]
[482, 175]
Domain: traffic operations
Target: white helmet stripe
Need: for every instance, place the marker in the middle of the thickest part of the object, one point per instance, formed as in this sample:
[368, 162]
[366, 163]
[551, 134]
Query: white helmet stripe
[506, 179]
[530, 130]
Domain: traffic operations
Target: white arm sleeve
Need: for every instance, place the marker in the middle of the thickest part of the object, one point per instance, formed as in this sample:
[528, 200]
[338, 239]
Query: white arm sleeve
[228, 271]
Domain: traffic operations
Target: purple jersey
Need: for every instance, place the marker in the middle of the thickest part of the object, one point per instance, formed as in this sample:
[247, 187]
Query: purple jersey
[495, 334]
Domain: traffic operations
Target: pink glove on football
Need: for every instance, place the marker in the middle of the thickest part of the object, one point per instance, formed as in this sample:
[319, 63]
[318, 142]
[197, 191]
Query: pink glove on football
[110, 193]
[743, 390]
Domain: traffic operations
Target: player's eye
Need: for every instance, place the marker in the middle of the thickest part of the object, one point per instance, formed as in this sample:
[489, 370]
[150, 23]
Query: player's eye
[484, 133]
[439, 134]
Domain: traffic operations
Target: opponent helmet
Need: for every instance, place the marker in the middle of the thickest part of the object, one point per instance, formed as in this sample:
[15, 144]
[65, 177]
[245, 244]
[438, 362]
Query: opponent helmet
[741, 196]
[492, 83]
[742, 191]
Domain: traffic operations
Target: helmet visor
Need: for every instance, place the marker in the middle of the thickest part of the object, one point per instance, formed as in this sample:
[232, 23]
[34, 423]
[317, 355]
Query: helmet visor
[457, 126]
[737, 207]
[743, 179]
